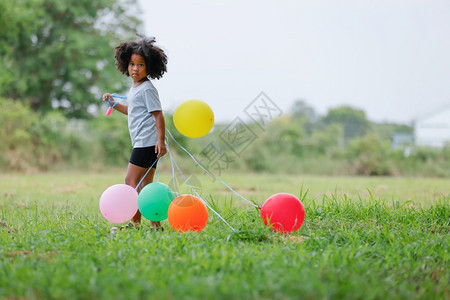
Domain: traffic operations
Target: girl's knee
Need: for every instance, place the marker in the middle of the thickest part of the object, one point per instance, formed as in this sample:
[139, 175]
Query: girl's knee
[129, 180]
[134, 177]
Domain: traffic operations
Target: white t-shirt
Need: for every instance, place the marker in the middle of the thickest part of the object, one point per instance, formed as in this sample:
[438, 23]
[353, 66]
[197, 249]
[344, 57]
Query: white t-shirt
[142, 101]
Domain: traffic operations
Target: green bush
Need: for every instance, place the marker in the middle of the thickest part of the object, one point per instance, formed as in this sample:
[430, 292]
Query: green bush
[16, 123]
[31, 141]
[423, 162]
[111, 135]
[369, 155]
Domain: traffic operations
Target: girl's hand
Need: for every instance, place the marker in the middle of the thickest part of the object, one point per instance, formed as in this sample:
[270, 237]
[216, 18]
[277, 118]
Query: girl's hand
[107, 96]
[160, 148]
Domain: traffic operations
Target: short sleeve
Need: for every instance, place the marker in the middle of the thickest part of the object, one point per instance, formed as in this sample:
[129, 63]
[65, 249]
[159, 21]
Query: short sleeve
[151, 100]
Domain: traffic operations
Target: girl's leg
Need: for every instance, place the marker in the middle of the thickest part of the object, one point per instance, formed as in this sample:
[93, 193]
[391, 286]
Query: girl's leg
[134, 176]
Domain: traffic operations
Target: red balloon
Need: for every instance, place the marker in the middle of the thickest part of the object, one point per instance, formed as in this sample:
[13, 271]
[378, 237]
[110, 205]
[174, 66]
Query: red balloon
[283, 212]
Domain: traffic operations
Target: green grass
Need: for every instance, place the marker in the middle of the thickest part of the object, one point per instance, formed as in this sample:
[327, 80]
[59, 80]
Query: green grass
[363, 238]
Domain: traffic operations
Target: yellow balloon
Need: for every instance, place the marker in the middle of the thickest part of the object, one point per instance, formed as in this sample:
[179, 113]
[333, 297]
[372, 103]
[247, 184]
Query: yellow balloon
[193, 118]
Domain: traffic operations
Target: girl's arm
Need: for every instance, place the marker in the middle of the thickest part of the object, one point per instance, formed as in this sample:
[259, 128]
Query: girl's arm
[122, 108]
[160, 147]
[119, 107]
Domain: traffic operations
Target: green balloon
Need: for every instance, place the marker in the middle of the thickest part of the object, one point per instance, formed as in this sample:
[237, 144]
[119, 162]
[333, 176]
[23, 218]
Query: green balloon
[154, 201]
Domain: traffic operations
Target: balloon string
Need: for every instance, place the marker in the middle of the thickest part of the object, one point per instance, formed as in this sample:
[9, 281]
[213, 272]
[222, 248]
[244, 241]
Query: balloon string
[157, 169]
[142, 179]
[173, 174]
[211, 174]
[194, 191]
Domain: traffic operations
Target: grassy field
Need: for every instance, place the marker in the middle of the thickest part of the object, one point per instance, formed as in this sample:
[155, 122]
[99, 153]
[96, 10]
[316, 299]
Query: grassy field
[363, 238]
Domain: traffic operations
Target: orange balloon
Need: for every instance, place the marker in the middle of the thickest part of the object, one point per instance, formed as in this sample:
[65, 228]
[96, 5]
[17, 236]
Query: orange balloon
[187, 212]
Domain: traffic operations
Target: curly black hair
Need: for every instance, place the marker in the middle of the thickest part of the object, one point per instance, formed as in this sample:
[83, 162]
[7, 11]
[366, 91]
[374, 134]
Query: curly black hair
[155, 58]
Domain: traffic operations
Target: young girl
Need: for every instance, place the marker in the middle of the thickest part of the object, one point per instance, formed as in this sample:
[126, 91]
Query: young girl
[142, 60]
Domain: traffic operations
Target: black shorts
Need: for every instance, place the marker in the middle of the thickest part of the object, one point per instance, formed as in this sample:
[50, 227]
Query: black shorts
[144, 157]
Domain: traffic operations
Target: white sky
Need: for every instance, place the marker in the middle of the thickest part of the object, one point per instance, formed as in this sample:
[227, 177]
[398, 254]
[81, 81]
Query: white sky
[390, 58]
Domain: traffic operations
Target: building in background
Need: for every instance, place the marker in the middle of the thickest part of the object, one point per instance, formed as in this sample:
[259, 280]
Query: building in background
[433, 129]
[402, 140]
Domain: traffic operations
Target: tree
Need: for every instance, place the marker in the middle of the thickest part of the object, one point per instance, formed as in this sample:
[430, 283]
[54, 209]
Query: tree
[300, 109]
[353, 121]
[60, 54]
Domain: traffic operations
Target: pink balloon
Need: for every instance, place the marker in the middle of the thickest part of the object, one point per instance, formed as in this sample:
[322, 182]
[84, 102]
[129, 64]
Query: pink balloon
[109, 111]
[118, 203]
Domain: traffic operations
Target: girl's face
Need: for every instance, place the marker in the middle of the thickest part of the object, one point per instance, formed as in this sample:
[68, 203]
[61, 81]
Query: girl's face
[137, 68]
